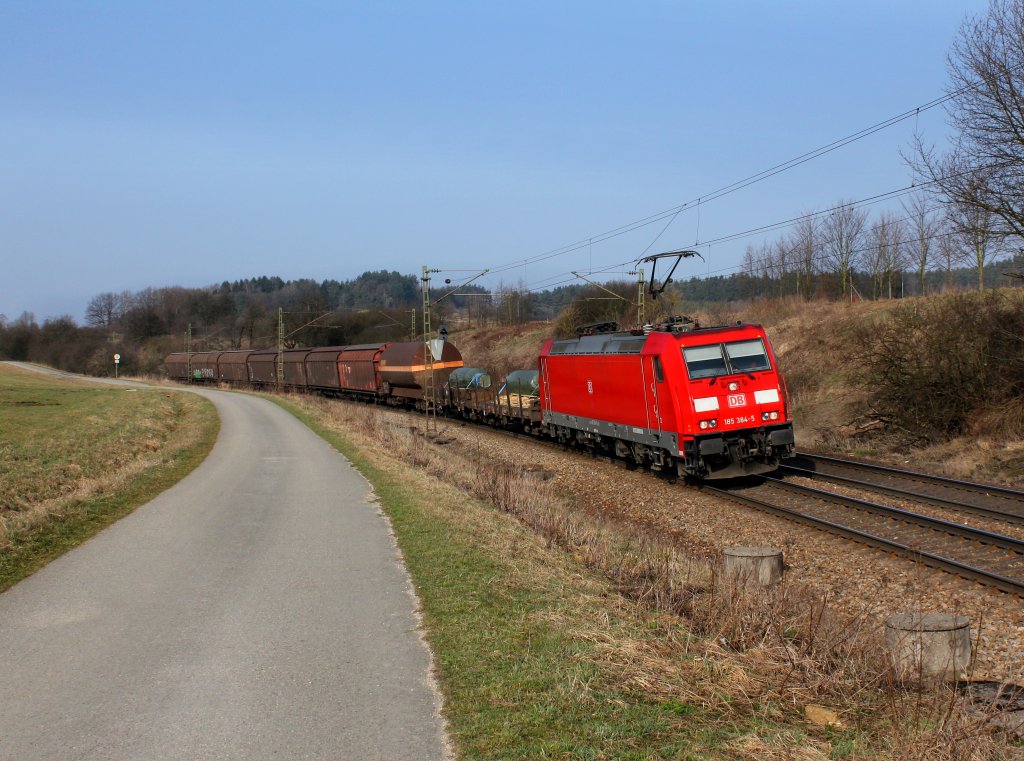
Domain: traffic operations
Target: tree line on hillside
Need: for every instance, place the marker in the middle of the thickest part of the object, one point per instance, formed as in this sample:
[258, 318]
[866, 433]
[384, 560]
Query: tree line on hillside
[146, 325]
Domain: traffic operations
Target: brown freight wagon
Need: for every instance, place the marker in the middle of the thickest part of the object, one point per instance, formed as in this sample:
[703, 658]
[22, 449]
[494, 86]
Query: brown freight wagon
[322, 367]
[263, 367]
[358, 368]
[204, 365]
[403, 369]
[295, 367]
[232, 366]
[176, 365]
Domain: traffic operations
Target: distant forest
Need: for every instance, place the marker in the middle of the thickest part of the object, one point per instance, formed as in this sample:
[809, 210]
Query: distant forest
[382, 306]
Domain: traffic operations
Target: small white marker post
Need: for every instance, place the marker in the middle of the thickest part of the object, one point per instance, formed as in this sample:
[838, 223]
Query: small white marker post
[117, 361]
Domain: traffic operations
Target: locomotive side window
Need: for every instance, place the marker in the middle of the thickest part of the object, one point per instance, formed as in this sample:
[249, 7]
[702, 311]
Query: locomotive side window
[704, 361]
[748, 356]
[659, 374]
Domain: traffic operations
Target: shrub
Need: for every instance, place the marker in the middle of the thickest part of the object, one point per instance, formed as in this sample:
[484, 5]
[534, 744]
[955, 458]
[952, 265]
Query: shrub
[937, 367]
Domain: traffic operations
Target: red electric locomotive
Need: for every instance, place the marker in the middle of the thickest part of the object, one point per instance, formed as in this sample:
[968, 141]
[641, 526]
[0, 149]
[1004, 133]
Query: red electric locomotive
[708, 401]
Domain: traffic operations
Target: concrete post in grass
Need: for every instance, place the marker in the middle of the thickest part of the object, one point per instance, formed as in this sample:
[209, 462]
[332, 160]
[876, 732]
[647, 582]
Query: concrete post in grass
[929, 646]
[753, 566]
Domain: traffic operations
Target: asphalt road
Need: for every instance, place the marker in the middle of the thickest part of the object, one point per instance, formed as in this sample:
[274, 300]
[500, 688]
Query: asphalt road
[256, 610]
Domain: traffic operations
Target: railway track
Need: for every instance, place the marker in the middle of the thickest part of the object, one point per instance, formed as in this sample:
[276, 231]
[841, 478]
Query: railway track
[983, 556]
[963, 496]
[986, 557]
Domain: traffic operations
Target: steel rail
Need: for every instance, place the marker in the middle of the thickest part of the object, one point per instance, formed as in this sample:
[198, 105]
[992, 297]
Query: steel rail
[999, 491]
[1006, 584]
[988, 512]
[907, 516]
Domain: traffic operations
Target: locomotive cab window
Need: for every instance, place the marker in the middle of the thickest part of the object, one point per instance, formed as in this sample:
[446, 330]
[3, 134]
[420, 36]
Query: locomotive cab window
[659, 374]
[704, 361]
[726, 359]
[748, 356]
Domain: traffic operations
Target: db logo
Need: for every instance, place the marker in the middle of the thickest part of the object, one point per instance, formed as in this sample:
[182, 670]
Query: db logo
[590, 387]
[737, 400]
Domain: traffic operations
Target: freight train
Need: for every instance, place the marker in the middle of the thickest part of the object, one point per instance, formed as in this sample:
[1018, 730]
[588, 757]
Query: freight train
[705, 402]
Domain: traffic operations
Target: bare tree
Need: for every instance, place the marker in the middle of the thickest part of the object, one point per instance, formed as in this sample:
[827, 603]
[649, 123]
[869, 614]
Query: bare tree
[974, 226]
[803, 244]
[896, 251]
[986, 109]
[843, 234]
[750, 267]
[873, 255]
[749, 264]
[924, 224]
[104, 310]
[515, 304]
[882, 257]
[782, 262]
[949, 250]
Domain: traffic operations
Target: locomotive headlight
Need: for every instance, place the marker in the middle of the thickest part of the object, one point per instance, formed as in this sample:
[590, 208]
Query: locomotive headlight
[703, 425]
[734, 386]
[764, 415]
[769, 415]
[712, 423]
[775, 415]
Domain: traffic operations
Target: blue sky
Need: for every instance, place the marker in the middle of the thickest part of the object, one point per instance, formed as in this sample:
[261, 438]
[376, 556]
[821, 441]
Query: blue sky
[151, 144]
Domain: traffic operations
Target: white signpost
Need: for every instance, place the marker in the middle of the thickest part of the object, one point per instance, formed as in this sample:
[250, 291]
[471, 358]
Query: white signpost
[117, 361]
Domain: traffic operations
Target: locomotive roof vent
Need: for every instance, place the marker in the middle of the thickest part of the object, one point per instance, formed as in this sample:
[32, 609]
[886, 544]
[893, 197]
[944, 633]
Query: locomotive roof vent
[597, 327]
[677, 324]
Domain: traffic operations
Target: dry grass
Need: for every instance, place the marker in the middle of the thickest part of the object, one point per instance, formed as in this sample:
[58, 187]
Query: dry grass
[718, 645]
[66, 443]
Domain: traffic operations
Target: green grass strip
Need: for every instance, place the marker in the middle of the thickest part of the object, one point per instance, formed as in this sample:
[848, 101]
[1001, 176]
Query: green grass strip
[31, 550]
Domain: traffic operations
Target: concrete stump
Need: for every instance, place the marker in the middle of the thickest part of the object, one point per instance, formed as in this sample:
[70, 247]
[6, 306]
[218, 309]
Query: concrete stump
[929, 646]
[753, 566]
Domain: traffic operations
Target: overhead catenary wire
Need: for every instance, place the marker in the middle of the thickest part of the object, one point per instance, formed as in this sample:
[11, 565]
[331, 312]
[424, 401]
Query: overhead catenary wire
[732, 187]
[673, 213]
[547, 283]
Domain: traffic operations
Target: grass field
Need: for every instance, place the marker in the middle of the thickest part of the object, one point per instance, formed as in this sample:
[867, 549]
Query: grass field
[76, 456]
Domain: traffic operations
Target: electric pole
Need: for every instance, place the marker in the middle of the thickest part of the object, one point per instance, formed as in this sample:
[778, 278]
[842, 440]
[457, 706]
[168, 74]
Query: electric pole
[280, 347]
[640, 297]
[429, 392]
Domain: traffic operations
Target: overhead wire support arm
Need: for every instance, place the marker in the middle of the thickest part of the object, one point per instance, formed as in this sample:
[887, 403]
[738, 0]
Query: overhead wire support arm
[606, 290]
[452, 292]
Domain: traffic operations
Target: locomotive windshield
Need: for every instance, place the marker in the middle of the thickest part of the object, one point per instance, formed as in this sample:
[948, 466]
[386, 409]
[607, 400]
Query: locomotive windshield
[726, 359]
